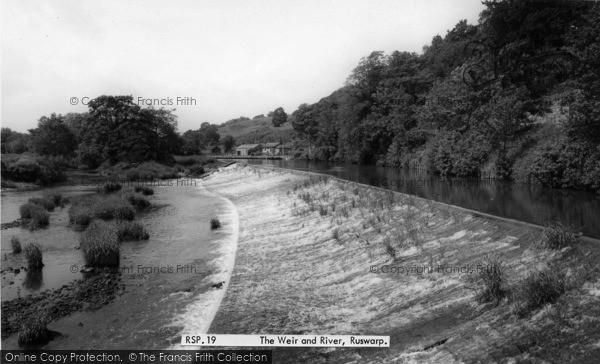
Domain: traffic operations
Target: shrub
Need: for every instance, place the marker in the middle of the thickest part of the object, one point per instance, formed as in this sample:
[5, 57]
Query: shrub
[81, 215]
[491, 276]
[34, 330]
[100, 245]
[27, 209]
[149, 171]
[52, 169]
[541, 287]
[34, 256]
[322, 210]
[46, 202]
[113, 207]
[146, 191]
[57, 199]
[15, 244]
[557, 236]
[137, 201]
[112, 187]
[389, 248]
[196, 171]
[336, 234]
[24, 171]
[129, 230]
[215, 223]
[39, 218]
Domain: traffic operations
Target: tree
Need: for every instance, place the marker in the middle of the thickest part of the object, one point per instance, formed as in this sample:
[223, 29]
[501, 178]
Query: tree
[228, 143]
[305, 123]
[279, 117]
[118, 130]
[209, 134]
[53, 137]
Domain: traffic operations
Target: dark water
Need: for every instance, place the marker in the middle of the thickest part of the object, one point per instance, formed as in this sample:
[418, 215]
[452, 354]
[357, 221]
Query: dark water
[515, 201]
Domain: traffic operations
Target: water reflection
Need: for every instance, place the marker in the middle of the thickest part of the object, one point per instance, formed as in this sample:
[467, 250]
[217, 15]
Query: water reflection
[34, 279]
[531, 204]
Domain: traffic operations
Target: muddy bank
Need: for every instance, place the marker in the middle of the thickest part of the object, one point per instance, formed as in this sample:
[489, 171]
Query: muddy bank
[294, 275]
[82, 295]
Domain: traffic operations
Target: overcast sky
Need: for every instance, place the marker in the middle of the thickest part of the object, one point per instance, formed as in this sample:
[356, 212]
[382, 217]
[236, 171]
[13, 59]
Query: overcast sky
[235, 58]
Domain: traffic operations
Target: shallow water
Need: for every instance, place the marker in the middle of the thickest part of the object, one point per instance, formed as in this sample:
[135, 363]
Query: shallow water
[164, 275]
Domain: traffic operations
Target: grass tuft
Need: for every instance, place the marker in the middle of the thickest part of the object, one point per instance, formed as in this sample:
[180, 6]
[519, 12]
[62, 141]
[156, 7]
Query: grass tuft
[34, 330]
[46, 202]
[33, 253]
[100, 245]
[39, 218]
[130, 230]
[491, 273]
[145, 190]
[540, 287]
[15, 244]
[138, 201]
[111, 187]
[558, 236]
[215, 223]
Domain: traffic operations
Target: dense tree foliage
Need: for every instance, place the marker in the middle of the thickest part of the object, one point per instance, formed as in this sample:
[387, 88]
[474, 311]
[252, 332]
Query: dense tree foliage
[52, 137]
[196, 140]
[118, 130]
[468, 103]
[13, 141]
[279, 117]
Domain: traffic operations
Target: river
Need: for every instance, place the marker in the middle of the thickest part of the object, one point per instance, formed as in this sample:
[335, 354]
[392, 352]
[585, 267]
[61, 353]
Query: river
[532, 204]
[169, 278]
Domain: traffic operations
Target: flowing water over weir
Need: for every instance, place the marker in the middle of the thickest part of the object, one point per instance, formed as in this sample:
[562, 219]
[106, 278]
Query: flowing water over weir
[530, 204]
[172, 281]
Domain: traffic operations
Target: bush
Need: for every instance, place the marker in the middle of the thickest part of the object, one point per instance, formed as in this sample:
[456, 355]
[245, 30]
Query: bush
[34, 330]
[113, 207]
[146, 191]
[39, 218]
[540, 288]
[558, 236]
[137, 201]
[196, 171]
[112, 187]
[87, 208]
[100, 245]
[24, 171]
[149, 171]
[81, 214]
[33, 253]
[215, 223]
[491, 276]
[46, 202]
[27, 209]
[15, 244]
[322, 210]
[129, 230]
[57, 199]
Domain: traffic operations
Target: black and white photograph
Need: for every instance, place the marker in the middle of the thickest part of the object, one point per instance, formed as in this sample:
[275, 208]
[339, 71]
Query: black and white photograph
[300, 181]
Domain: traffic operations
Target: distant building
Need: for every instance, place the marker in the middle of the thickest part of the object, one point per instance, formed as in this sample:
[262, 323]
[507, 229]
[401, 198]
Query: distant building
[270, 148]
[247, 150]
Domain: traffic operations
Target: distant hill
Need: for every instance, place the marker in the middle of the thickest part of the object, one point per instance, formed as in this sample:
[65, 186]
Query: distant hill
[260, 130]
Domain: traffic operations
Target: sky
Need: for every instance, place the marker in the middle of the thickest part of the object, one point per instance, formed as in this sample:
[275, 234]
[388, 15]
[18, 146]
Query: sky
[210, 60]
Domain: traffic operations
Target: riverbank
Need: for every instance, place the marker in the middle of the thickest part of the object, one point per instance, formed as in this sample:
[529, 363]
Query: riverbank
[312, 256]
